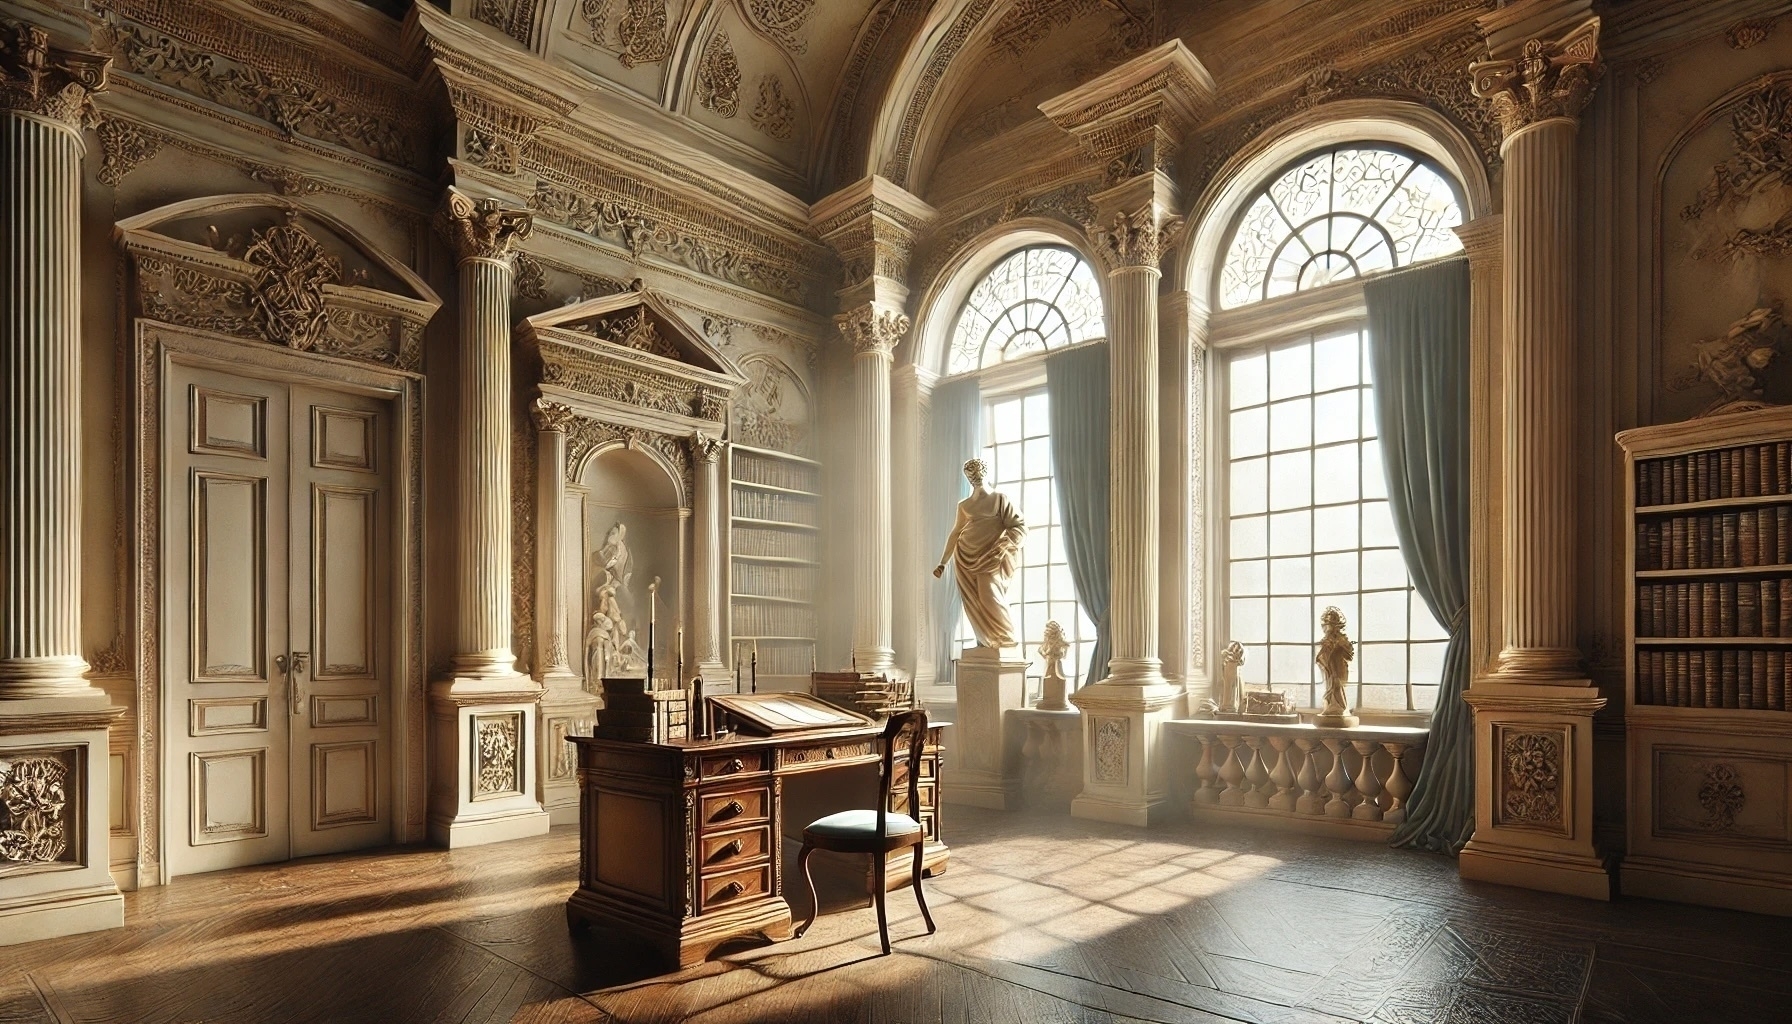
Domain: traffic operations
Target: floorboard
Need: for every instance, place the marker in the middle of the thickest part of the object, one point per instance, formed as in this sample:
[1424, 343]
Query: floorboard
[1043, 920]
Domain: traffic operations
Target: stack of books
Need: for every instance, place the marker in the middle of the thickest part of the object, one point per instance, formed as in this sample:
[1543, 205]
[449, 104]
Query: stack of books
[636, 713]
[865, 692]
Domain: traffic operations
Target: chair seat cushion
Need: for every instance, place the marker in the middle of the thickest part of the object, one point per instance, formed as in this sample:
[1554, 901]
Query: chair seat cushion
[853, 824]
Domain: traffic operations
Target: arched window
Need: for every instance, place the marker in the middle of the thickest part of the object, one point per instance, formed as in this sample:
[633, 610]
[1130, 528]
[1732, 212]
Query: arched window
[1308, 523]
[1336, 214]
[1036, 300]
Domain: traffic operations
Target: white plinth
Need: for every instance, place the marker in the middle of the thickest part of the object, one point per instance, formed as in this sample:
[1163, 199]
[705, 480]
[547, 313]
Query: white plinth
[983, 769]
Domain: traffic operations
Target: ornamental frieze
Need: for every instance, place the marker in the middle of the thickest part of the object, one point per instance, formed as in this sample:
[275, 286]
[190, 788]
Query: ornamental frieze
[592, 374]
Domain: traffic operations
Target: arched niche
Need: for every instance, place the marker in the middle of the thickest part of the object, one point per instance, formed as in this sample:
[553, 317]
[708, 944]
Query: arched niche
[634, 521]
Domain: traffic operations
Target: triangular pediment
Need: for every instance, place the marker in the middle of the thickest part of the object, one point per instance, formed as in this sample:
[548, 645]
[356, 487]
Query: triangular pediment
[630, 325]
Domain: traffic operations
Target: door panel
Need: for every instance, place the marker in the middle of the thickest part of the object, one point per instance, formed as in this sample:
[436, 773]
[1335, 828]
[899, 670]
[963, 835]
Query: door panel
[340, 602]
[278, 619]
[224, 614]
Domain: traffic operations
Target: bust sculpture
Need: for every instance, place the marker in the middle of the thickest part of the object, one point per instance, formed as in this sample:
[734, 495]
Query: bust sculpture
[1055, 688]
[1333, 659]
[984, 549]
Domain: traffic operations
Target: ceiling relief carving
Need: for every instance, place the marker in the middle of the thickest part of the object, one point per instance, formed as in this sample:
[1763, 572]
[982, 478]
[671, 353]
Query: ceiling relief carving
[773, 409]
[296, 90]
[1029, 22]
[774, 114]
[514, 18]
[718, 77]
[1754, 181]
[897, 167]
[284, 283]
[634, 30]
[122, 148]
[783, 20]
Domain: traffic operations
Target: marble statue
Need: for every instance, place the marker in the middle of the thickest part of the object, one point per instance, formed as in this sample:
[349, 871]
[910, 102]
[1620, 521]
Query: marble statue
[1054, 690]
[984, 549]
[1226, 691]
[1333, 659]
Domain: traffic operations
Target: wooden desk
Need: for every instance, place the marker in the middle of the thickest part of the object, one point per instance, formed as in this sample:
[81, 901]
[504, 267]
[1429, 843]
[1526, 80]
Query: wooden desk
[679, 843]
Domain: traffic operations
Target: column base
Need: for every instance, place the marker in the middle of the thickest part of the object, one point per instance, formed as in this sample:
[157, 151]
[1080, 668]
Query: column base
[57, 760]
[719, 678]
[985, 768]
[1123, 770]
[873, 659]
[566, 710]
[484, 754]
[1588, 877]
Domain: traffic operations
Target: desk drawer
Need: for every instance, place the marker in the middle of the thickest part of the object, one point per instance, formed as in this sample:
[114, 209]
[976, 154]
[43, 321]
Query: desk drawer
[729, 849]
[722, 766]
[727, 887]
[736, 807]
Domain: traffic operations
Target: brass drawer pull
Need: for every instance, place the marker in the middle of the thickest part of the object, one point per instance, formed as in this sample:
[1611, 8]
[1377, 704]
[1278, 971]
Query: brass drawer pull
[728, 850]
[731, 809]
[736, 765]
[729, 891]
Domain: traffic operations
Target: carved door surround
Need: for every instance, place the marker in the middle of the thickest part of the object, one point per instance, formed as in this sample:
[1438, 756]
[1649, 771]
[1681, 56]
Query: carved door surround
[624, 371]
[297, 297]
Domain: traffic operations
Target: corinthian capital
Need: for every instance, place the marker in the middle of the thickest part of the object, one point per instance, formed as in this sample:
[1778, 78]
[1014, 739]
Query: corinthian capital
[41, 79]
[704, 447]
[872, 328]
[1546, 80]
[551, 415]
[1136, 238]
[481, 228]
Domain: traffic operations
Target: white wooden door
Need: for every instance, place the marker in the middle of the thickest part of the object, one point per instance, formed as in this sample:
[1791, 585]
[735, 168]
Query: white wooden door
[277, 624]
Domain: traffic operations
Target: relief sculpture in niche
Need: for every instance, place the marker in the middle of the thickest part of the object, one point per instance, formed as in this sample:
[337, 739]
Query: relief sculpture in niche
[634, 30]
[1531, 779]
[1726, 251]
[34, 799]
[613, 644]
[496, 742]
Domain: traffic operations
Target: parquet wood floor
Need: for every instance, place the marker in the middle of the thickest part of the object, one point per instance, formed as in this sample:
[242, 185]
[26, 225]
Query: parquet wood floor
[1043, 920]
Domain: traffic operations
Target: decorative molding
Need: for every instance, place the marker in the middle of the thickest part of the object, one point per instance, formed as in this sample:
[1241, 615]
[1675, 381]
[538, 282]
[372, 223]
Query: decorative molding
[36, 791]
[873, 329]
[531, 277]
[774, 114]
[770, 410]
[1760, 161]
[48, 81]
[1721, 795]
[718, 77]
[1531, 778]
[514, 18]
[939, 59]
[481, 228]
[497, 755]
[706, 448]
[1547, 80]
[781, 20]
[123, 147]
[287, 297]
[1747, 34]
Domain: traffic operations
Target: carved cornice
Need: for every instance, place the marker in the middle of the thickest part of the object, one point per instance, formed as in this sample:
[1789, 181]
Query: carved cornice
[481, 228]
[551, 415]
[872, 226]
[872, 329]
[48, 81]
[1138, 111]
[1548, 79]
[1067, 202]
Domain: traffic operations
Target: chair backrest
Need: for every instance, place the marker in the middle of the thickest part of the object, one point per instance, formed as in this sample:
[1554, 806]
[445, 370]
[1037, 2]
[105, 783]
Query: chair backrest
[910, 729]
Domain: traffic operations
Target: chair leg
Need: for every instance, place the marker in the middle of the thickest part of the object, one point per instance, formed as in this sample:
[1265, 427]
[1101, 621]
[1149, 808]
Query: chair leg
[919, 897]
[802, 863]
[880, 866]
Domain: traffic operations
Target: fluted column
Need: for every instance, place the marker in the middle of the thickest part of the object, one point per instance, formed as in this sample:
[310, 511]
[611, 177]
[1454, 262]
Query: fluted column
[482, 233]
[1483, 242]
[873, 331]
[551, 421]
[1534, 711]
[42, 102]
[1132, 243]
[706, 452]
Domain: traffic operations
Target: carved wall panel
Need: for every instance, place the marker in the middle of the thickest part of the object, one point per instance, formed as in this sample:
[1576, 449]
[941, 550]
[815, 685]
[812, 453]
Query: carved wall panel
[1532, 777]
[1725, 795]
[497, 755]
[1112, 754]
[41, 808]
[773, 410]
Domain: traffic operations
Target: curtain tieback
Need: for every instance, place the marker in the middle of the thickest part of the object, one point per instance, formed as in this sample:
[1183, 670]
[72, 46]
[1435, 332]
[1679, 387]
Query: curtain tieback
[1458, 619]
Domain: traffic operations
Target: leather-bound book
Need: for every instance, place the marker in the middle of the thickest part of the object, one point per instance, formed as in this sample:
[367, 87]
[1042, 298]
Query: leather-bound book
[1776, 680]
[1770, 607]
[1725, 697]
[1699, 676]
[1748, 609]
[1726, 610]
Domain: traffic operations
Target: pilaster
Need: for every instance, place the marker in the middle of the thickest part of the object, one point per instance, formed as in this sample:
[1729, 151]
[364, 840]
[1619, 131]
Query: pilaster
[1132, 119]
[872, 224]
[911, 389]
[566, 708]
[54, 751]
[706, 512]
[486, 710]
[1534, 710]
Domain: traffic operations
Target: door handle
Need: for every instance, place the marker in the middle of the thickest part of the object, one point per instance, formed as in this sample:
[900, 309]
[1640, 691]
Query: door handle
[301, 661]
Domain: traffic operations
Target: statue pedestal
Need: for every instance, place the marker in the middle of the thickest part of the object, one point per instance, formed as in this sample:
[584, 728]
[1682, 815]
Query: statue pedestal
[984, 760]
[1336, 721]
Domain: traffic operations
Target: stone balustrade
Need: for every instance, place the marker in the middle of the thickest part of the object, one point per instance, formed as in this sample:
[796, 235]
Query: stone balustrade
[1343, 781]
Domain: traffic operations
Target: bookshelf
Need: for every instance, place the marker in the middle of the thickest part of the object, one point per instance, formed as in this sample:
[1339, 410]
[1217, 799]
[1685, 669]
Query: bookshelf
[1709, 660]
[774, 534]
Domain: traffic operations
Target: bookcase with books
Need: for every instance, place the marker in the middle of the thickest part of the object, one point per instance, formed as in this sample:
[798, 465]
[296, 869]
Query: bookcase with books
[774, 562]
[1709, 666]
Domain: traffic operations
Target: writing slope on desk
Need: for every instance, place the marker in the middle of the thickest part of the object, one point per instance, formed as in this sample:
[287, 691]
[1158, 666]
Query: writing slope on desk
[766, 714]
[681, 843]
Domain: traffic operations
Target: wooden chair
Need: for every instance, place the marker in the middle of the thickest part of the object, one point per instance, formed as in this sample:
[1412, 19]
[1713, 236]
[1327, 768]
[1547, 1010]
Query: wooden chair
[878, 832]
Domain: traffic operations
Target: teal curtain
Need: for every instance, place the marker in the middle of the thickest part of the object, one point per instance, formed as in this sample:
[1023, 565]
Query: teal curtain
[1419, 357]
[1076, 384]
[956, 410]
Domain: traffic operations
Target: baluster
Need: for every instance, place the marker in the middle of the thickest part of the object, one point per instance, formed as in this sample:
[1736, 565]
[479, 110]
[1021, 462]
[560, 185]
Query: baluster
[1367, 783]
[1307, 781]
[1258, 793]
[1209, 791]
[1233, 773]
[1282, 776]
[1399, 787]
[1338, 781]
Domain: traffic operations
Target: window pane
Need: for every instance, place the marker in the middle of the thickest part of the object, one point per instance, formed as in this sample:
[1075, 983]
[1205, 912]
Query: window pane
[1250, 620]
[1250, 432]
[1291, 533]
[1335, 417]
[1250, 577]
[1427, 663]
[1384, 616]
[1336, 478]
[1249, 380]
[1335, 528]
[1250, 537]
[1383, 569]
[1250, 486]
[1383, 663]
[1290, 371]
[1006, 417]
[1036, 418]
[1291, 479]
[1291, 575]
[1290, 620]
[1375, 471]
[1335, 572]
[1378, 525]
[1036, 299]
[1291, 424]
[1335, 362]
